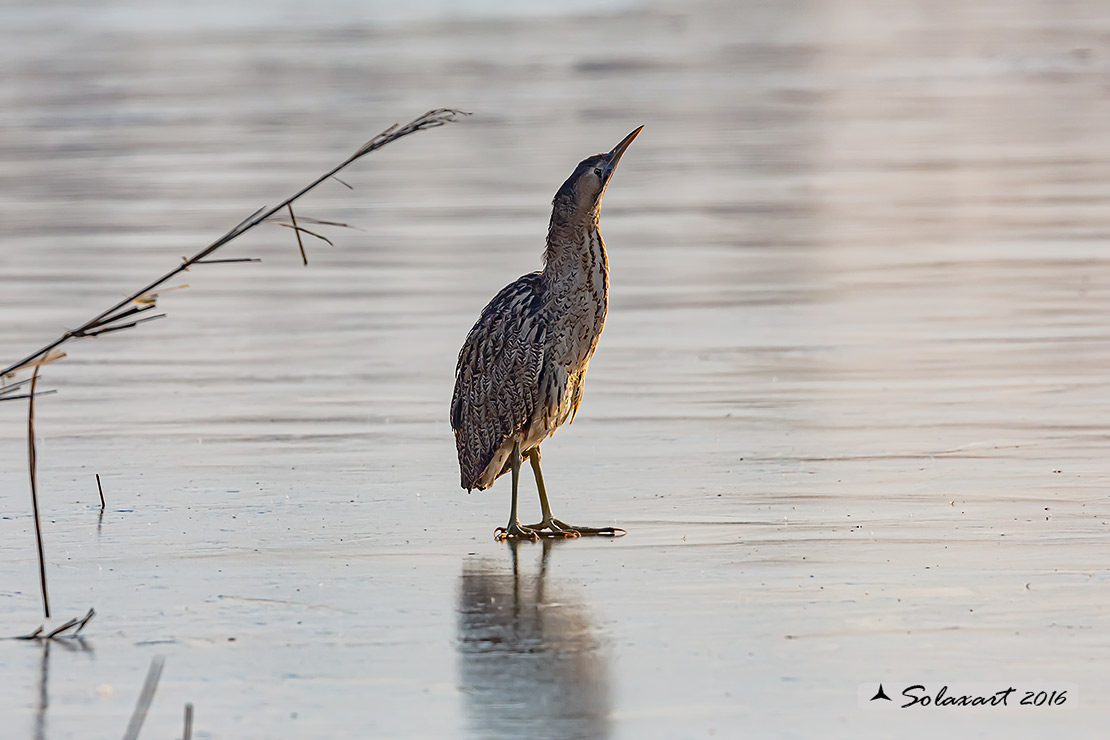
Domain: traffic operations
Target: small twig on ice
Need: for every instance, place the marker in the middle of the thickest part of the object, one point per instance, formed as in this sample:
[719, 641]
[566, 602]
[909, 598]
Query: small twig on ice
[70, 629]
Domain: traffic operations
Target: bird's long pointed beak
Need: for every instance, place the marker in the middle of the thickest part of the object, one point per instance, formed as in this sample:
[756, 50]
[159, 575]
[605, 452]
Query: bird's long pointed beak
[618, 152]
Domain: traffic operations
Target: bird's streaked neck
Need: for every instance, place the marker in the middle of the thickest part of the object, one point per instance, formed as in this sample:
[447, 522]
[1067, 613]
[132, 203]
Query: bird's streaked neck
[576, 268]
[573, 239]
[575, 283]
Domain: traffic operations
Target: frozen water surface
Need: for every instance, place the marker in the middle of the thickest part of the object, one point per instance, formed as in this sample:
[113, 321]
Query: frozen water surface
[851, 402]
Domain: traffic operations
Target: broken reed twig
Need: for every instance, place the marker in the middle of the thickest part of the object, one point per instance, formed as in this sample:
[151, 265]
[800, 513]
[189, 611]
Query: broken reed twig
[8, 390]
[25, 395]
[76, 625]
[301, 230]
[100, 515]
[32, 459]
[187, 734]
[146, 696]
[300, 244]
[106, 320]
[320, 222]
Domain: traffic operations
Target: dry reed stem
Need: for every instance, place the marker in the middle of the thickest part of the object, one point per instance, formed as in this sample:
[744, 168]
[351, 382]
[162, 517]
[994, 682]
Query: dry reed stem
[32, 460]
[431, 119]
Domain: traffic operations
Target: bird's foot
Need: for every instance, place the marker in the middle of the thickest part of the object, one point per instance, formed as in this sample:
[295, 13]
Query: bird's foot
[553, 528]
[516, 532]
[559, 528]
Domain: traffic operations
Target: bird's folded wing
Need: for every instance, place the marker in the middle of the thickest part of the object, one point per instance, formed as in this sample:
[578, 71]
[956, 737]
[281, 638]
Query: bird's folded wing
[497, 380]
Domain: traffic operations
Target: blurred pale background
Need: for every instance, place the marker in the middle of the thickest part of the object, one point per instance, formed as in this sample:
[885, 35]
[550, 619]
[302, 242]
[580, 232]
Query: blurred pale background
[850, 401]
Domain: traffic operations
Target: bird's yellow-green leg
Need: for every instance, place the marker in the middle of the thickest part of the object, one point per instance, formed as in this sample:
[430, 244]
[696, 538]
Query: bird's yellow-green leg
[557, 527]
[549, 522]
[513, 529]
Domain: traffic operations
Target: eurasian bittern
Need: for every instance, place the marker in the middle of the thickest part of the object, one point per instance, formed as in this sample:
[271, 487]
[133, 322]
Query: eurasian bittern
[523, 365]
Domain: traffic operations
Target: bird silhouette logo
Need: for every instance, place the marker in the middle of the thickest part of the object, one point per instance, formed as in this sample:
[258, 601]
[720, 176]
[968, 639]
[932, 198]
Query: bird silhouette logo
[880, 694]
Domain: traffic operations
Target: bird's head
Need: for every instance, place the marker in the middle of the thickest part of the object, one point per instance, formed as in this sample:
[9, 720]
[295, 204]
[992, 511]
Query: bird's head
[580, 195]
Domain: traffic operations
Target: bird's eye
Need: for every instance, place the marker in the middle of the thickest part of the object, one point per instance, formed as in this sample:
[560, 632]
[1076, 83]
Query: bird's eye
[597, 171]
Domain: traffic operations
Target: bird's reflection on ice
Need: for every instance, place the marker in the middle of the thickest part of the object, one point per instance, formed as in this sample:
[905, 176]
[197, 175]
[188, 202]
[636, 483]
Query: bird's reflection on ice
[530, 665]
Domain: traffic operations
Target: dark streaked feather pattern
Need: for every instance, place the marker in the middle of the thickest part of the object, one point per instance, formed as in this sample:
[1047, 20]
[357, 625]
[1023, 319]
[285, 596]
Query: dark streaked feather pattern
[497, 380]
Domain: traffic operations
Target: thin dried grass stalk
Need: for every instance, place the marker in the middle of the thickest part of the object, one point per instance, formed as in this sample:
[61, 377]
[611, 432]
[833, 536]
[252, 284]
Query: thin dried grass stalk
[431, 119]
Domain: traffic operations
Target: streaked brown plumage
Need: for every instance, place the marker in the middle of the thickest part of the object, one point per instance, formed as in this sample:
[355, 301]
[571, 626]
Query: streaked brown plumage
[521, 370]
